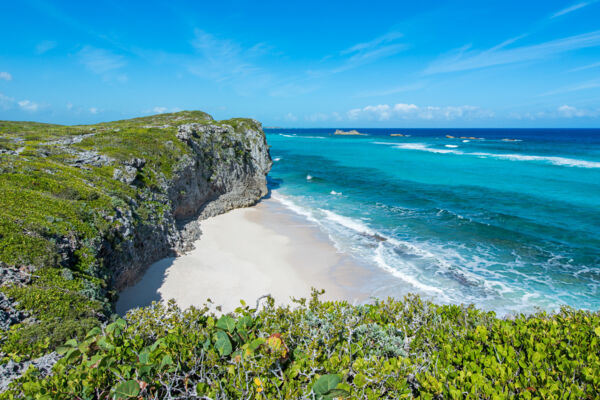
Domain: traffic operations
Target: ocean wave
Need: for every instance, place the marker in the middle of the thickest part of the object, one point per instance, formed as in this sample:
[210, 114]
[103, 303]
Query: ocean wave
[380, 260]
[560, 161]
[284, 135]
[333, 192]
[277, 159]
[443, 271]
[347, 222]
[452, 146]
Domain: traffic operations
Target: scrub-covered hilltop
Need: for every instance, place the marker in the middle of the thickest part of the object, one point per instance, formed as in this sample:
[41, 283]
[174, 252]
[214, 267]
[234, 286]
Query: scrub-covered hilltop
[84, 209]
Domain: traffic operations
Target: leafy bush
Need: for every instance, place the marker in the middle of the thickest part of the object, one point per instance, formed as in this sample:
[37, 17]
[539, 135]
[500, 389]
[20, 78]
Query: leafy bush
[326, 350]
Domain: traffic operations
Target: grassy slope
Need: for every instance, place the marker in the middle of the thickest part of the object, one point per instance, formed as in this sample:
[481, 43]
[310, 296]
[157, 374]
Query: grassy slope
[47, 203]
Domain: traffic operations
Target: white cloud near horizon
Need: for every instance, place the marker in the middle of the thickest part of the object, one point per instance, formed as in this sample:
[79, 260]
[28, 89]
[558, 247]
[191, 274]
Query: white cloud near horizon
[7, 103]
[28, 105]
[465, 59]
[572, 8]
[386, 112]
[567, 111]
[5, 76]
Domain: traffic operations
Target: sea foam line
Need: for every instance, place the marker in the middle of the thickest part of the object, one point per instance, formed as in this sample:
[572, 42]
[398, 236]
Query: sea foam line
[561, 161]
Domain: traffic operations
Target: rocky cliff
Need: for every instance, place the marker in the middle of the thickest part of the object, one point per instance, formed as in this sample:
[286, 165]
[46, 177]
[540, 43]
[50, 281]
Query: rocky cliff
[85, 209]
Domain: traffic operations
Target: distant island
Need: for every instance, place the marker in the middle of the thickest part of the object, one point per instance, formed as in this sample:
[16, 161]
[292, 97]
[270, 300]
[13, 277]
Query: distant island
[353, 132]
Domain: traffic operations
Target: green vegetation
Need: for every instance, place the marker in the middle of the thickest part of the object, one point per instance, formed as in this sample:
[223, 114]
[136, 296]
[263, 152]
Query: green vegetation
[64, 218]
[325, 350]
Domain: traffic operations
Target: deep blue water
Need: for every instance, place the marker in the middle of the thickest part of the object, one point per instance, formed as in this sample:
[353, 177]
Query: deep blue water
[507, 225]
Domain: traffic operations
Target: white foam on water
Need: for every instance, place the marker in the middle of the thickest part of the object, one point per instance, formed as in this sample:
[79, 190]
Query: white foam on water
[333, 192]
[452, 146]
[308, 177]
[560, 161]
[466, 141]
[347, 222]
[284, 135]
[379, 259]
[277, 159]
[293, 206]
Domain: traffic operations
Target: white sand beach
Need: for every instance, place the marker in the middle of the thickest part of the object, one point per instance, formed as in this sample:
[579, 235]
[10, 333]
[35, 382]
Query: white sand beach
[247, 253]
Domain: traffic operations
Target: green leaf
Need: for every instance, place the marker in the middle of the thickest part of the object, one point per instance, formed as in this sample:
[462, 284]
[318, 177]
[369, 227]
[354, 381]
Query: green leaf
[335, 393]
[126, 390]
[223, 344]
[597, 330]
[226, 323]
[167, 360]
[144, 356]
[93, 332]
[326, 383]
[72, 355]
[244, 323]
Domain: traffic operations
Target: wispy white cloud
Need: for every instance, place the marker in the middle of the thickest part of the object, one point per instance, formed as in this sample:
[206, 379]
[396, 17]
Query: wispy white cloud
[28, 105]
[465, 59]
[363, 53]
[44, 46]
[366, 52]
[321, 117]
[584, 67]
[160, 110]
[6, 102]
[572, 8]
[573, 88]
[560, 112]
[103, 62]
[290, 117]
[404, 111]
[223, 59]
[393, 90]
[5, 76]
[93, 110]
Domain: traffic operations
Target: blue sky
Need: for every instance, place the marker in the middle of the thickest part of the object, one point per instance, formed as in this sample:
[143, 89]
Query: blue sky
[305, 64]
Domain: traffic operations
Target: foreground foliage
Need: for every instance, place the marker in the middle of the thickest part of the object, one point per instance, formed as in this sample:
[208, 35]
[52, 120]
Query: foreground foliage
[325, 350]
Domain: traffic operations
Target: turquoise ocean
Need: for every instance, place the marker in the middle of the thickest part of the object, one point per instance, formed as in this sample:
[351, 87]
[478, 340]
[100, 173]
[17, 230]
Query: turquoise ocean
[506, 219]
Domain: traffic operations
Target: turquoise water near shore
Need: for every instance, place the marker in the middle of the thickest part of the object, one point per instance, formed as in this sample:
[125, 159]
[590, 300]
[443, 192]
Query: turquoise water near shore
[509, 225]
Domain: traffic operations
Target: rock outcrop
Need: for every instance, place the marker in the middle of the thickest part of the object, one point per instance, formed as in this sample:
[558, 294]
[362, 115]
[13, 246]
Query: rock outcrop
[226, 169]
[352, 132]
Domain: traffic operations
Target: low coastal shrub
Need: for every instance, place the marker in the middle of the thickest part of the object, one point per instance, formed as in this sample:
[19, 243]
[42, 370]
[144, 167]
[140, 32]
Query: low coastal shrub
[324, 350]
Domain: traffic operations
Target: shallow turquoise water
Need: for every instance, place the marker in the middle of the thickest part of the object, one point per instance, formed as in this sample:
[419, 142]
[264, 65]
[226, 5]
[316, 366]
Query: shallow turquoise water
[507, 225]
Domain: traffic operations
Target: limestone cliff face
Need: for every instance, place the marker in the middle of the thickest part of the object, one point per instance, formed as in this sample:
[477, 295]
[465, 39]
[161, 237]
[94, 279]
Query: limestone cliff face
[225, 168]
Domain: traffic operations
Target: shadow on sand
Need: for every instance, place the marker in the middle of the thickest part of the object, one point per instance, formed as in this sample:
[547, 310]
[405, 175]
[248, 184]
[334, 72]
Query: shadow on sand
[145, 291]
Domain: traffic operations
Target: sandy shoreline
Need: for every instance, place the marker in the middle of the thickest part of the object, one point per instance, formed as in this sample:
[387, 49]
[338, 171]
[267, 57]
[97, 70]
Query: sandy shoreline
[247, 253]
